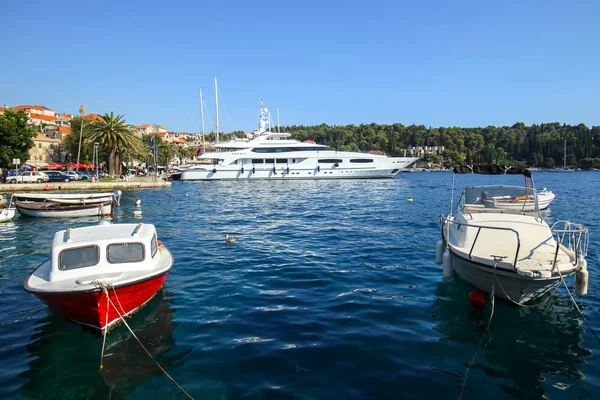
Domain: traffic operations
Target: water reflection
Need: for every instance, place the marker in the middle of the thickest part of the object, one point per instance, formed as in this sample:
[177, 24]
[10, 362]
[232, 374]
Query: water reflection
[531, 349]
[66, 357]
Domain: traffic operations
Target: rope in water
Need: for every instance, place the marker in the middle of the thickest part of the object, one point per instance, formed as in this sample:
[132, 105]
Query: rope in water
[109, 300]
[485, 332]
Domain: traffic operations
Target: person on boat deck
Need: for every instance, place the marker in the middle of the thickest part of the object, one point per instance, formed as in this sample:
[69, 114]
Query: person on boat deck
[484, 196]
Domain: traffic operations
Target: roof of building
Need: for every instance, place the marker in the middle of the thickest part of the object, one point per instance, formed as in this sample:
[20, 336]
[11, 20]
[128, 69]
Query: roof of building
[27, 107]
[64, 129]
[42, 117]
[158, 133]
[143, 126]
[93, 117]
[178, 140]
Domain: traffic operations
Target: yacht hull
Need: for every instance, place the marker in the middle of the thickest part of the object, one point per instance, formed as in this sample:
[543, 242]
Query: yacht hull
[507, 285]
[284, 172]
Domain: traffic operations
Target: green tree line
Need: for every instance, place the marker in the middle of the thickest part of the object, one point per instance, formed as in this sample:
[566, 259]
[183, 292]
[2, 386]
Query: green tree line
[534, 145]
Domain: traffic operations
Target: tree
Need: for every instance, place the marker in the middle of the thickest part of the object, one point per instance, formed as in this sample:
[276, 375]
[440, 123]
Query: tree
[16, 137]
[114, 134]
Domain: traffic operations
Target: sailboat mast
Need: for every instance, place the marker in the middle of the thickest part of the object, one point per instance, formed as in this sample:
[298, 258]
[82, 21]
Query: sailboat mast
[217, 109]
[278, 120]
[565, 155]
[202, 113]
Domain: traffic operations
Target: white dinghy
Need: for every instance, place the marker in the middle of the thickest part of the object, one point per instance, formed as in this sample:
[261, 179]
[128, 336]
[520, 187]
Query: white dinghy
[497, 241]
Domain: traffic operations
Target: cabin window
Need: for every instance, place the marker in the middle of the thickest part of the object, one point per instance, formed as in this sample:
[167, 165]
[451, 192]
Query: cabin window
[125, 253]
[281, 161]
[329, 160]
[257, 161]
[153, 245]
[80, 257]
[269, 161]
[361, 160]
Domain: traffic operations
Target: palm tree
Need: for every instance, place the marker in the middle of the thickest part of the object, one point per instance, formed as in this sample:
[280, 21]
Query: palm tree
[115, 135]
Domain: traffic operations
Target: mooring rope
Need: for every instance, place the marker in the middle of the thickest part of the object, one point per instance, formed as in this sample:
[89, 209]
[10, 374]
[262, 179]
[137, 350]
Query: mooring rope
[577, 307]
[485, 332]
[109, 300]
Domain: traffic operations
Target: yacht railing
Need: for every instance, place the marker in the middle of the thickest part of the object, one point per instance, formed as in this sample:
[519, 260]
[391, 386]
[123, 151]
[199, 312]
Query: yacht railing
[572, 236]
[479, 228]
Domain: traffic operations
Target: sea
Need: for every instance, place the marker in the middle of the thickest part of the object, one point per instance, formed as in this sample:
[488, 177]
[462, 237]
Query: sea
[330, 292]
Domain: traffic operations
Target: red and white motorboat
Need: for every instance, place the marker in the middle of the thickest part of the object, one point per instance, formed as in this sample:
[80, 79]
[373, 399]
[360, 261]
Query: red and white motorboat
[125, 261]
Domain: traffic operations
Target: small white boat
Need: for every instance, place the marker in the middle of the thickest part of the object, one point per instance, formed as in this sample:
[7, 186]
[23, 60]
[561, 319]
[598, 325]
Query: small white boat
[96, 274]
[498, 245]
[6, 213]
[524, 202]
[50, 209]
[69, 198]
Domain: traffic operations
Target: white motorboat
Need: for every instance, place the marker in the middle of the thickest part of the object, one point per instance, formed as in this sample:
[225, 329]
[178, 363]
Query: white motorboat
[510, 250]
[98, 274]
[264, 154]
[51, 209]
[524, 202]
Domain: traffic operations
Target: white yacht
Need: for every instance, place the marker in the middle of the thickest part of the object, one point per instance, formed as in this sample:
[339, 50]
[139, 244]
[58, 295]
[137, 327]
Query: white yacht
[264, 154]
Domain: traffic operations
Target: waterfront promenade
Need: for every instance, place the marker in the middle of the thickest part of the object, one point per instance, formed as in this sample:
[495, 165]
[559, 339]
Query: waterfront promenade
[136, 183]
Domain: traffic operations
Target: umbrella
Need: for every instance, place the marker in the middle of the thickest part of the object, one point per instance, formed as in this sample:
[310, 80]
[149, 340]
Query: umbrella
[90, 165]
[52, 166]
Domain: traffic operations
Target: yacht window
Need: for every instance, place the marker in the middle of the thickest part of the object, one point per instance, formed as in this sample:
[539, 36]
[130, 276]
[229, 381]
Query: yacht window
[257, 161]
[125, 253]
[361, 160]
[269, 161]
[329, 160]
[281, 161]
[80, 257]
[153, 246]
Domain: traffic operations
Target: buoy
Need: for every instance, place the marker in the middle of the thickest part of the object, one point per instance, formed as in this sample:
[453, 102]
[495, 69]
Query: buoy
[137, 212]
[214, 170]
[478, 298]
[253, 170]
[581, 279]
[186, 195]
[47, 188]
[447, 263]
[138, 203]
[274, 170]
[410, 199]
[287, 170]
[159, 243]
[439, 252]
[336, 165]
[318, 168]
[242, 170]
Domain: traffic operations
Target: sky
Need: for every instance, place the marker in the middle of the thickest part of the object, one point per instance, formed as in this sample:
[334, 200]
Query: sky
[429, 62]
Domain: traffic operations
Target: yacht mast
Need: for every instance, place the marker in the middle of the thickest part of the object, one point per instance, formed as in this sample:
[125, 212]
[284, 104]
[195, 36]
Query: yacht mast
[202, 113]
[278, 120]
[565, 155]
[217, 110]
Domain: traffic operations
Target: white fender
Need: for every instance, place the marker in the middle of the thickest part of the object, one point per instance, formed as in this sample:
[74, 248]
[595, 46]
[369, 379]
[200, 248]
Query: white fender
[439, 251]
[447, 263]
[581, 279]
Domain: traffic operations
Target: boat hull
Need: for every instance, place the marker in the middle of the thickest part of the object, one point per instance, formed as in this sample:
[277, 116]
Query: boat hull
[90, 307]
[507, 285]
[6, 214]
[33, 209]
[248, 172]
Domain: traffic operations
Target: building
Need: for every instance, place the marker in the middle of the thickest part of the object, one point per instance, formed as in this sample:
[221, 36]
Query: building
[38, 115]
[93, 117]
[143, 129]
[45, 150]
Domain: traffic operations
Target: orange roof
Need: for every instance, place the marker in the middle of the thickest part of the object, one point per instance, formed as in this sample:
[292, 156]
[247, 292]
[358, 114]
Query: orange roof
[42, 116]
[64, 130]
[178, 140]
[143, 126]
[158, 133]
[91, 117]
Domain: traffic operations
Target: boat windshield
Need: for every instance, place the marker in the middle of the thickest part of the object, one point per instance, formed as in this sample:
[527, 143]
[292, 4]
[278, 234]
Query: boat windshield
[499, 199]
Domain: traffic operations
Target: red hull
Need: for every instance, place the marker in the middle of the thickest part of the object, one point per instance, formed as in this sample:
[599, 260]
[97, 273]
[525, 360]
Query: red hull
[89, 308]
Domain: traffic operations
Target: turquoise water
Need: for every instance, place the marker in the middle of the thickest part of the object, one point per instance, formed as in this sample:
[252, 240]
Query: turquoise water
[331, 292]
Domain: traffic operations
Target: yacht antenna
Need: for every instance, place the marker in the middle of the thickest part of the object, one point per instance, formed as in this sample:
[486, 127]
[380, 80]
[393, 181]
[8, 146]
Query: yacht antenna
[565, 155]
[217, 110]
[202, 113]
[278, 120]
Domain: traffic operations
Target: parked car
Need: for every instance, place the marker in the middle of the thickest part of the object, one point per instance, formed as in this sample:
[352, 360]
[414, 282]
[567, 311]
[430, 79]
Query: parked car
[57, 176]
[73, 175]
[28, 177]
[84, 176]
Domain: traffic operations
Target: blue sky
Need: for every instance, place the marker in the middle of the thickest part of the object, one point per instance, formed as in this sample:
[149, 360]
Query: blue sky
[436, 63]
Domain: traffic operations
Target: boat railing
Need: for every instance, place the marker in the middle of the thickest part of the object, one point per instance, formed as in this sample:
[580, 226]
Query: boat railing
[479, 228]
[572, 236]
